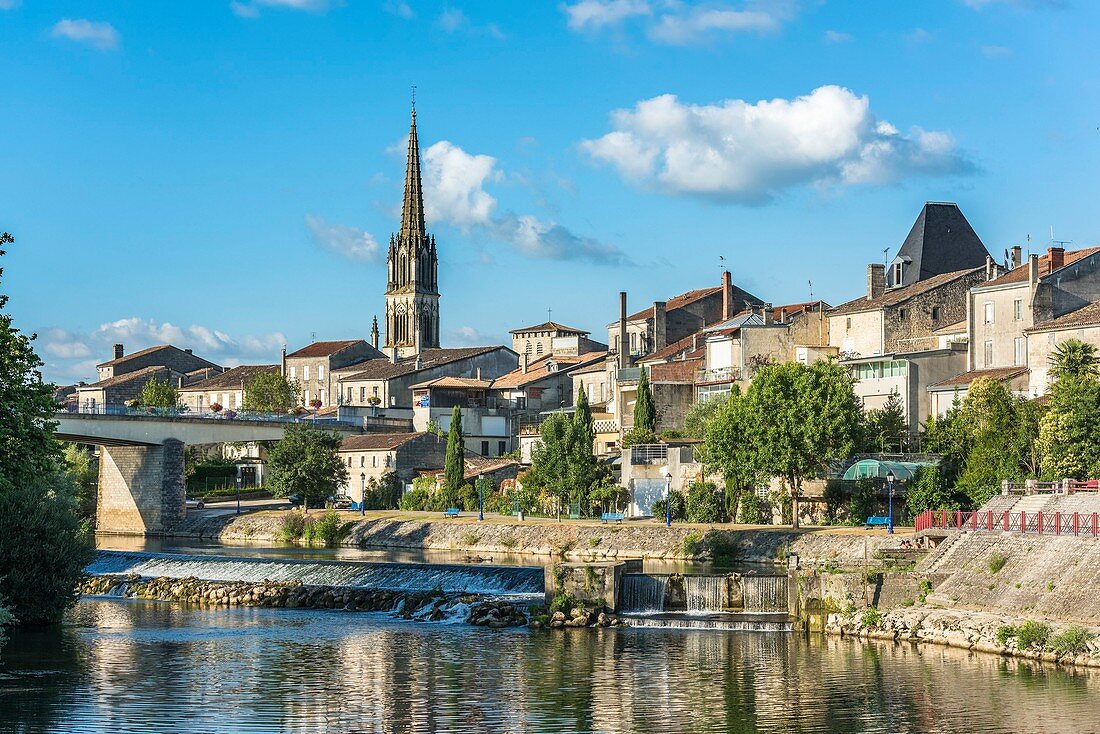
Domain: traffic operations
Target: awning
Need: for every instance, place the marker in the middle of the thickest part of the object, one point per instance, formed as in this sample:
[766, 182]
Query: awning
[876, 469]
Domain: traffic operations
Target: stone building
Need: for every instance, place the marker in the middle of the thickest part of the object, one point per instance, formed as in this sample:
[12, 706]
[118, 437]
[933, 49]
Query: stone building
[487, 419]
[412, 284]
[388, 382]
[1082, 324]
[940, 241]
[124, 376]
[226, 389]
[180, 361]
[373, 455]
[313, 367]
[552, 338]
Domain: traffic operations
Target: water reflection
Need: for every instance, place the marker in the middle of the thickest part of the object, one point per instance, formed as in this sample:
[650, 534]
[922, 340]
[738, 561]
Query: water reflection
[149, 667]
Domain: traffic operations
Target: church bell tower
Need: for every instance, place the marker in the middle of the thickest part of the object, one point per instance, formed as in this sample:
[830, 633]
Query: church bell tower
[412, 286]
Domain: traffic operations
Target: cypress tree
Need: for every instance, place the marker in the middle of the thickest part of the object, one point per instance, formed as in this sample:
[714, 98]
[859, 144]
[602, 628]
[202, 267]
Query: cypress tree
[645, 414]
[583, 417]
[454, 466]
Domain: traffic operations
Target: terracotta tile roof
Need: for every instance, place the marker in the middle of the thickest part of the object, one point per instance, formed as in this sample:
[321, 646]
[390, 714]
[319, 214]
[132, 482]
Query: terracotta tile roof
[549, 326]
[1085, 316]
[954, 328]
[143, 374]
[383, 369]
[454, 382]
[685, 345]
[894, 296]
[475, 464]
[377, 441]
[1019, 275]
[1001, 374]
[538, 369]
[323, 349]
[231, 378]
[675, 302]
[681, 370]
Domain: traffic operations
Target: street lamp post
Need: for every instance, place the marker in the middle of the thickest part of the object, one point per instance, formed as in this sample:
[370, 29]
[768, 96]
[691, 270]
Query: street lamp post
[362, 495]
[890, 502]
[480, 498]
[668, 497]
[238, 491]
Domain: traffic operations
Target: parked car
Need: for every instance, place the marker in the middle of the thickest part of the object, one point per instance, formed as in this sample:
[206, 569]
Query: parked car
[195, 504]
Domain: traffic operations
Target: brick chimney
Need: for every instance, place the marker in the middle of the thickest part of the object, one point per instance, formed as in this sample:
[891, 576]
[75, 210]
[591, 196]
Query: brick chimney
[1056, 256]
[624, 340]
[766, 314]
[876, 280]
[1017, 256]
[1033, 269]
[523, 362]
[117, 352]
[727, 294]
[660, 338]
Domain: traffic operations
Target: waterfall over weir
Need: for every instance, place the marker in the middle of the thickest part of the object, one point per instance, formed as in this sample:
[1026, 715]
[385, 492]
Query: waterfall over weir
[643, 592]
[729, 601]
[706, 593]
[496, 580]
[764, 593]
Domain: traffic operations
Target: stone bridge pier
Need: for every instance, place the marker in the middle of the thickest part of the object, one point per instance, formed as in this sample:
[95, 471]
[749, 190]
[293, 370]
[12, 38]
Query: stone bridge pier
[141, 488]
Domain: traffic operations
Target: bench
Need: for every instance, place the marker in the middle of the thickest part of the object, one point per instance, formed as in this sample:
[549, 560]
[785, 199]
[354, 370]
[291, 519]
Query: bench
[877, 520]
[611, 517]
[451, 512]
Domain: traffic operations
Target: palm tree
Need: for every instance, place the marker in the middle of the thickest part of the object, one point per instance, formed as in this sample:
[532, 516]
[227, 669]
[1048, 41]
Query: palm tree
[1074, 358]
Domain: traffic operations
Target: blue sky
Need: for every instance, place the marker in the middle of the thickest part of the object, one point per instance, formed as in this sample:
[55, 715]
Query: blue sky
[225, 175]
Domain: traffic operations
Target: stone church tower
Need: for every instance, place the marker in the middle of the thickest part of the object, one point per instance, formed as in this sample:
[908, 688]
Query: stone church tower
[412, 286]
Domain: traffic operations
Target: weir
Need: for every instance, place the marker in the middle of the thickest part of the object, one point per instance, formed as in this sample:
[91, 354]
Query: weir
[491, 580]
[700, 594]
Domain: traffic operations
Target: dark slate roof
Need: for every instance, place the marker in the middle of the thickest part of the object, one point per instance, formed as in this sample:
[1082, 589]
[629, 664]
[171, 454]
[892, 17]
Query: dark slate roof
[383, 369]
[323, 349]
[549, 326]
[894, 296]
[137, 375]
[151, 350]
[941, 241]
[231, 378]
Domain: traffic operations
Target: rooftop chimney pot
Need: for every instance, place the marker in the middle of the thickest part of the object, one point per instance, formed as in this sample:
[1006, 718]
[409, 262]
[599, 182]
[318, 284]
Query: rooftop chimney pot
[876, 280]
[118, 351]
[1056, 256]
[727, 295]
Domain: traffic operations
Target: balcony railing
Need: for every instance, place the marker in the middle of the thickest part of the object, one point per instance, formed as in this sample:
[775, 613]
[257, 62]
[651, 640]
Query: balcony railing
[721, 374]
[184, 411]
[652, 453]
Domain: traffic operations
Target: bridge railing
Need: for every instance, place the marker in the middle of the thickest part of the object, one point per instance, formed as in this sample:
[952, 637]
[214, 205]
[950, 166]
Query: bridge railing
[184, 411]
[1038, 523]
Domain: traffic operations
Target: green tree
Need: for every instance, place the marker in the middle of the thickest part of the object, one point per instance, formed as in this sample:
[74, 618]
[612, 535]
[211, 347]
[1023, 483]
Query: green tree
[43, 545]
[562, 463]
[84, 474]
[793, 421]
[727, 448]
[1000, 439]
[270, 392]
[700, 415]
[454, 466]
[306, 462]
[1073, 358]
[582, 416]
[1069, 433]
[645, 413]
[157, 393]
[886, 427]
[929, 491]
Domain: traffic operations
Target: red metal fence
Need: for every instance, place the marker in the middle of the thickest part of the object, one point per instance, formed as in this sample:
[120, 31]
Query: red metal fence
[1042, 523]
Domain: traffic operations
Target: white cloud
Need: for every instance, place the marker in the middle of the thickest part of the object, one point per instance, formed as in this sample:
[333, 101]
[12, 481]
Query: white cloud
[10, 4]
[918, 35]
[348, 242]
[399, 8]
[596, 14]
[67, 352]
[454, 20]
[252, 8]
[748, 152]
[837, 37]
[679, 23]
[454, 183]
[97, 34]
[455, 194]
[467, 336]
[996, 52]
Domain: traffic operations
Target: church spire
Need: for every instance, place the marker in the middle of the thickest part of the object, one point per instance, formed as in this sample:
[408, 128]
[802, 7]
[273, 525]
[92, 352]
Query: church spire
[412, 208]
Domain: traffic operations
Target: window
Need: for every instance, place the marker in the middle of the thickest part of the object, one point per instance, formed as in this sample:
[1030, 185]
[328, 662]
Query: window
[305, 372]
[350, 393]
[989, 312]
[901, 314]
[363, 394]
[988, 357]
[293, 372]
[935, 313]
[484, 448]
[1017, 309]
[320, 372]
[848, 323]
[305, 397]
[375, 391]
[362, 460]
[538, 348]
[374, 460]
[388, 459]
[899, 269]
[323, 396]
[502, 448]
[1018, 355]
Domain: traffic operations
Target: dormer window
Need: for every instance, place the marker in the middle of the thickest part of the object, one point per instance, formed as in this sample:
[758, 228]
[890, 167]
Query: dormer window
[899, 272]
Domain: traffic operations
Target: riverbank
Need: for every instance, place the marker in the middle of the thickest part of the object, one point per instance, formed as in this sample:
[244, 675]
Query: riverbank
[571, 539]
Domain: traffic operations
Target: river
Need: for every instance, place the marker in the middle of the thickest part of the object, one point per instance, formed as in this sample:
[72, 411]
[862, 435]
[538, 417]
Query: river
[142, 666]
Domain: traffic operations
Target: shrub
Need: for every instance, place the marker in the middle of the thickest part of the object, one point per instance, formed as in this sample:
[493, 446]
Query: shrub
[563, 603]
[467, 498]
[1005, 633]
[721, 547]
[864, 500]
[996, 562]
[292, 527]
[327, 530]
[835, 497]
[509, 541]
[415, 499]
[1073, 641]
[925, 590]
[678, 506]
[872, 617]
[754, 510]
[692, 543]
[1032, 634]
[704, 503]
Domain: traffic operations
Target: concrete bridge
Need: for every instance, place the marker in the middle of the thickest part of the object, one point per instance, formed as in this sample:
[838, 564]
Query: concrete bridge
[141, 472]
